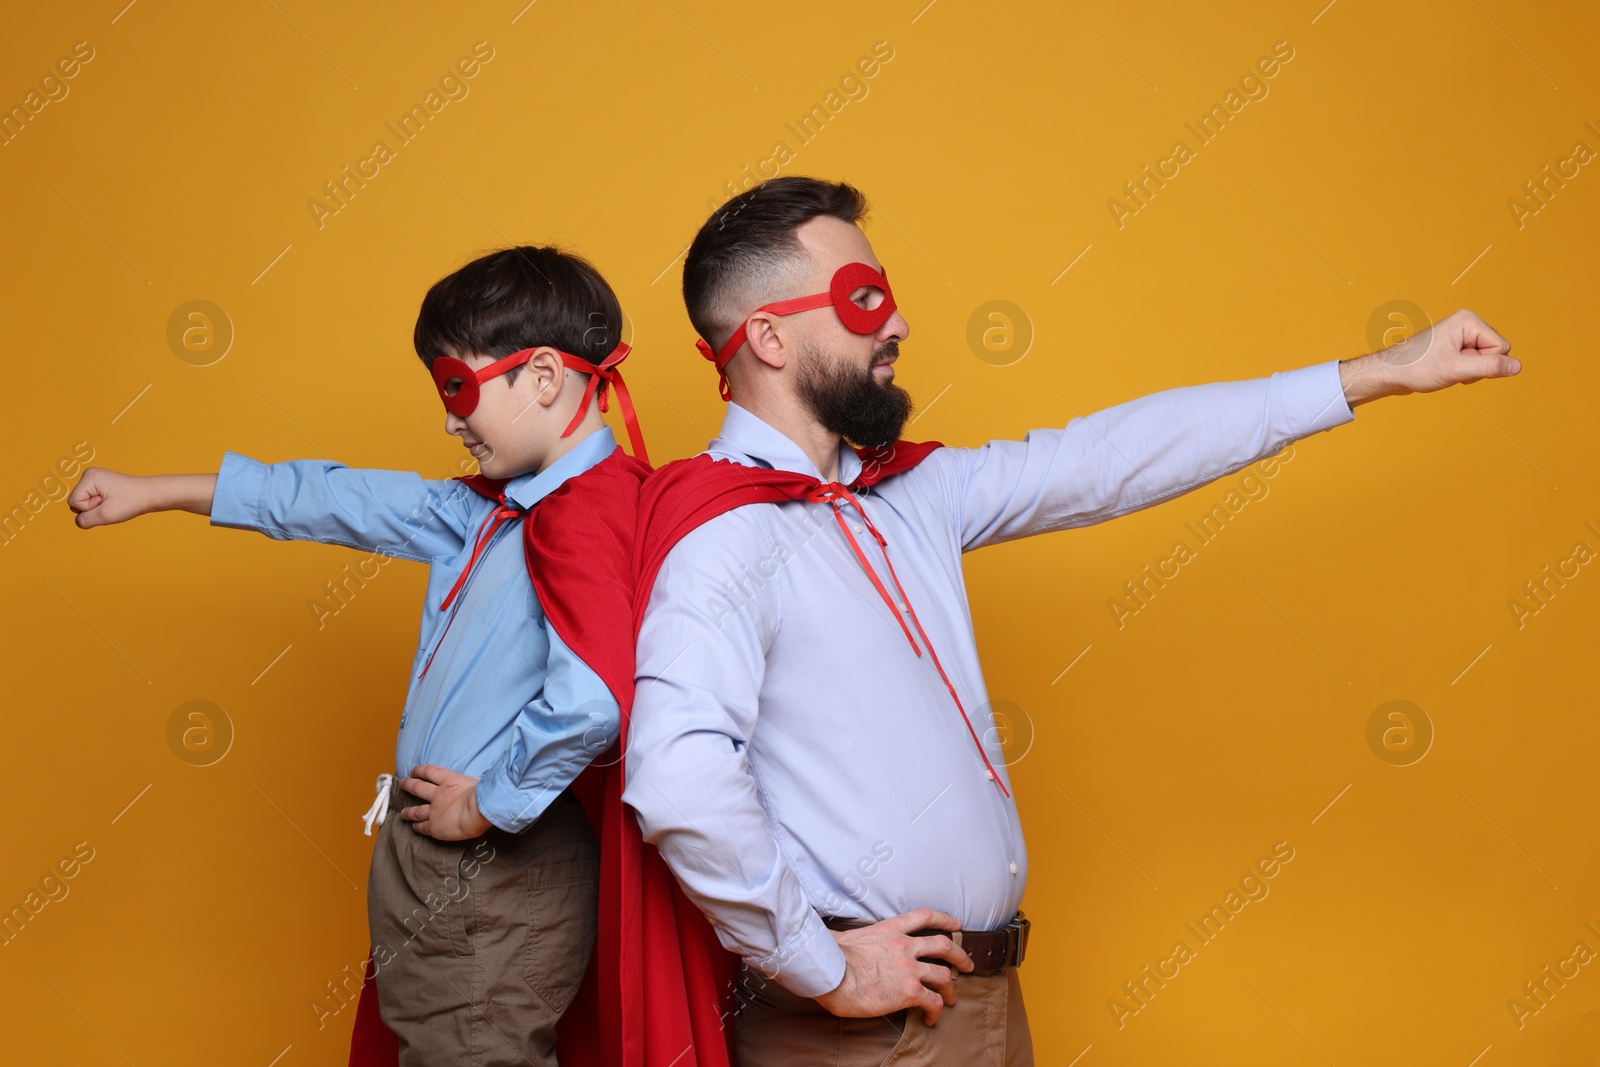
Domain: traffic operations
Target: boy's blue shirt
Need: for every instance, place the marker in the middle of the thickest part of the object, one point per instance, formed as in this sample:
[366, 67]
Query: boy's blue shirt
[505, 700]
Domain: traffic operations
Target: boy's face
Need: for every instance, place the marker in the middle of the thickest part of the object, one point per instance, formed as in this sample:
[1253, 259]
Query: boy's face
[511, 429]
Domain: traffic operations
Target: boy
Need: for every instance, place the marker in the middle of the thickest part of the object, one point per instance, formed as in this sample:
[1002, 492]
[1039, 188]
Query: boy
[482, 898]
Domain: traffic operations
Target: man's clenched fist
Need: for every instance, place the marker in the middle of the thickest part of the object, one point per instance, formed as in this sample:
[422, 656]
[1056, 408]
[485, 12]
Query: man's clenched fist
[1457, 350]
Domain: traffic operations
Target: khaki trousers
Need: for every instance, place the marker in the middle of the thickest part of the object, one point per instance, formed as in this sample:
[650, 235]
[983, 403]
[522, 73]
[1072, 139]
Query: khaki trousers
[479, 945]
[987, 1027]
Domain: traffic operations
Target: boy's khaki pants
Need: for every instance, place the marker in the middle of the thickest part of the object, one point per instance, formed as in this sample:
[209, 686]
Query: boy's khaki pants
[479, 945]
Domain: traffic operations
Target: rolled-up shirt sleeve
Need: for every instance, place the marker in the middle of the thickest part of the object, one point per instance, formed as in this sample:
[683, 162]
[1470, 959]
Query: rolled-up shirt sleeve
[396, 513]
[701, 661]
[572, 722]
[1133, 455]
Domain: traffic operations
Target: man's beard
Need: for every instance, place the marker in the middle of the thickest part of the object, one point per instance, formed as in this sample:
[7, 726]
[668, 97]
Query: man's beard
[851, 402]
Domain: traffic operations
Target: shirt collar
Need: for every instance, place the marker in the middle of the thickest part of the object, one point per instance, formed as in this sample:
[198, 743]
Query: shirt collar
[747, 434]
[526, 490]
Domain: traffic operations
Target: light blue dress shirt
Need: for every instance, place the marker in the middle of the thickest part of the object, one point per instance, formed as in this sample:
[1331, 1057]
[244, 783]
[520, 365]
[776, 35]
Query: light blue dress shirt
[789, 753]
[505, 700]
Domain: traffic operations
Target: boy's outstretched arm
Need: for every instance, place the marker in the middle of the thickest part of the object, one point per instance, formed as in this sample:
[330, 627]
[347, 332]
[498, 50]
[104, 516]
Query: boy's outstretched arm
[102, 497]
[397, 513]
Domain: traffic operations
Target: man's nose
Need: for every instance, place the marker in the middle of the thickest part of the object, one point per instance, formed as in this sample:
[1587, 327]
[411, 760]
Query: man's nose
[454, 424]
[896, 328]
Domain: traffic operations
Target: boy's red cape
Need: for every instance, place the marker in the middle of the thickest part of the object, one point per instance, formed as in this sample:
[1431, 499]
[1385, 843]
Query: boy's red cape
[659, 981]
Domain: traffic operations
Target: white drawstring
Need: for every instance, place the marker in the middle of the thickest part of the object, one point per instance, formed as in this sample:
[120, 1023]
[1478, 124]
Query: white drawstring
[380, 805]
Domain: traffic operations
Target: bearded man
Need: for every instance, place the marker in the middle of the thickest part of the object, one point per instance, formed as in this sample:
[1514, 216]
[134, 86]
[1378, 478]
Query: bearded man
[810, 748]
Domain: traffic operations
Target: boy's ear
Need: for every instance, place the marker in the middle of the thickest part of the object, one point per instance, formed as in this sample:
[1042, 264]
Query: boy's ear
[546, 374]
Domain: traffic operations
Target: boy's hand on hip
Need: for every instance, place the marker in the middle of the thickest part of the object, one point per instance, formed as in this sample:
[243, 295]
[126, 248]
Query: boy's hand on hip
[451, 811]
[884, 972]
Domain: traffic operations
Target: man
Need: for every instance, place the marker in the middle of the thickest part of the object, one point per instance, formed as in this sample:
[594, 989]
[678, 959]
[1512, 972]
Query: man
[829, 797]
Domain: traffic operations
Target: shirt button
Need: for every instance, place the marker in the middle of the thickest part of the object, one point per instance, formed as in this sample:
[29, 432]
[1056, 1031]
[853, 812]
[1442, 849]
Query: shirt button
[857, 527]
[989, 775]
[1013, 868]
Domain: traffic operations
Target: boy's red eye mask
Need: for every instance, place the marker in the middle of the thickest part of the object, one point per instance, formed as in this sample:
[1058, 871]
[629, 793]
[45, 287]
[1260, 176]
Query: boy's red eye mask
[459, 386]
[857, 319]
[458, 383]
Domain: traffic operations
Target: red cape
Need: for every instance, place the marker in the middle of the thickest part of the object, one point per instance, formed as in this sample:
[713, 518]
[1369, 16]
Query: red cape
[688, 492]
[659, 982]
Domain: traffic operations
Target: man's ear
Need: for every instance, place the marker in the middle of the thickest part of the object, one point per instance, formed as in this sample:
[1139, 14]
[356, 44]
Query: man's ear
[761, 333]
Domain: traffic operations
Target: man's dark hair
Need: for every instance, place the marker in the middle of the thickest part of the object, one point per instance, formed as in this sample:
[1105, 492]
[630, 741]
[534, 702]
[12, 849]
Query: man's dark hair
[750, 242]
[518, 298]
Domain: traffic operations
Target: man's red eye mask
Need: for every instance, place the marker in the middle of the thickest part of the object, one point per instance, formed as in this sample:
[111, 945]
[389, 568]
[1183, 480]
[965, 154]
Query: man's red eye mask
[857, 319]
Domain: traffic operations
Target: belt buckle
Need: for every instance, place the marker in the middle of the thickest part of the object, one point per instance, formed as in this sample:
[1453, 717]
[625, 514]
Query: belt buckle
[1017, 939]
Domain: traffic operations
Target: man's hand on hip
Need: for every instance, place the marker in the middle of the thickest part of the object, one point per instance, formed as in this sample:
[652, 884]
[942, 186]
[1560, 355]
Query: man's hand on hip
[1457, 350]
[884, 972]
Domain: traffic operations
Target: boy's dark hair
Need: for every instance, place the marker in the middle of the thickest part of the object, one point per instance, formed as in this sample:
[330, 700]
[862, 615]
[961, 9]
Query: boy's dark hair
[520, 298]
[750, 242]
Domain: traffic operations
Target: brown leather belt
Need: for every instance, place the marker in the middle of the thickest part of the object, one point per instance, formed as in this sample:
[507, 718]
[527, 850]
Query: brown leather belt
[992, 951]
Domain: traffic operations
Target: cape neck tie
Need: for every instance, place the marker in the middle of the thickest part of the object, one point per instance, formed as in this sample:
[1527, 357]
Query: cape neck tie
[486, 531]
[608, 373]
[835, 493]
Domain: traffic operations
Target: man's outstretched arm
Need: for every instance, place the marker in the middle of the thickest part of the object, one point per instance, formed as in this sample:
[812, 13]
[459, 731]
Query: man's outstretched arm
[1140, 453]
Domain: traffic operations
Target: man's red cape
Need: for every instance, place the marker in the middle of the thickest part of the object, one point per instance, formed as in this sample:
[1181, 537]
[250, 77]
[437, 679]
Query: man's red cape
[659, 981]
[686, 493]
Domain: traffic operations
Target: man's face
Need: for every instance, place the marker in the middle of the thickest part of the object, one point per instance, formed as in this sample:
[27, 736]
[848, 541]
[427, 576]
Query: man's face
[847, 379]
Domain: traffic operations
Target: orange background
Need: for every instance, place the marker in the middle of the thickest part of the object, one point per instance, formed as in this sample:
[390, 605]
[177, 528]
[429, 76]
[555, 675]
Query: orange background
[1229, 714]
